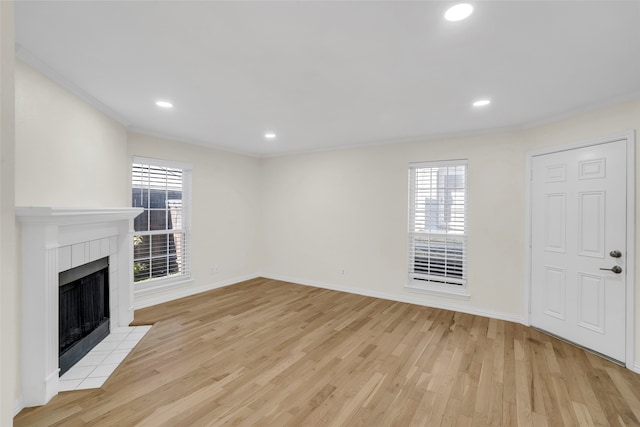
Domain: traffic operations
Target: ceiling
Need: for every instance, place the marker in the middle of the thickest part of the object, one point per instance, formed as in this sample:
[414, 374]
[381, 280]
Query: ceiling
[328, 74]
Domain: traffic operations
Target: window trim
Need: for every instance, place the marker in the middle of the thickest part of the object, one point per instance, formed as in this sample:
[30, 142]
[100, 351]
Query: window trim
[457, 291]
[163, 283]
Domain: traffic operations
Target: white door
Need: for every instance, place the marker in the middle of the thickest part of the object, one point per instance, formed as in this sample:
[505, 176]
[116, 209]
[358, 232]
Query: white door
[578, 280]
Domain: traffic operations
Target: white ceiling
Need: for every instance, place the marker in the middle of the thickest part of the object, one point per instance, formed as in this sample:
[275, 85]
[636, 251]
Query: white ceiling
[333, 74]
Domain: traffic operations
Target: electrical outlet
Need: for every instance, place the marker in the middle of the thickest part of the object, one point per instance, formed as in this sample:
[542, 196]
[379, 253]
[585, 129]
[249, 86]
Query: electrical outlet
[214, 269]
[343, 272]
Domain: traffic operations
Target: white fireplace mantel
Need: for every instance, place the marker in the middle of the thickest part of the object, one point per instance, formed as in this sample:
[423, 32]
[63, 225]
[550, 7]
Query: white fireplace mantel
[67, 216]
[57, 239]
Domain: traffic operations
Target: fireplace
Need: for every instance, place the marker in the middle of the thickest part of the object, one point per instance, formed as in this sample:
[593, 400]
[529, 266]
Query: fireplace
[83, 315]
[55, 240]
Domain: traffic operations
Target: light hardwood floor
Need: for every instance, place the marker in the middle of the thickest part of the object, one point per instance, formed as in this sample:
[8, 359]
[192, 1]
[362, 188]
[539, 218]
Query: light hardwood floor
[270, 353]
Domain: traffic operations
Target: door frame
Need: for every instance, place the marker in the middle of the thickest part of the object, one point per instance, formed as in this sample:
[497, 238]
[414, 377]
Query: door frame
[629, 138]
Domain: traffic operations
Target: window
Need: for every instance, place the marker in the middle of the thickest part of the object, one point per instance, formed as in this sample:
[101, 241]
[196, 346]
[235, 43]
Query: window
[437, 227]
[161, 232]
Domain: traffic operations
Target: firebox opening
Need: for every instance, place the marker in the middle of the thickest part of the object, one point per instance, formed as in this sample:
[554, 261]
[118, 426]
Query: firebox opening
[83, 311]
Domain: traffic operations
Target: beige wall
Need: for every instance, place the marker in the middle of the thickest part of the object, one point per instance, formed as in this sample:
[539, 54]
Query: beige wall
[348, 209]
[303, 217]
[619, 118]
[67, 153]
[224, 214]
[8, 284]
[323, 212]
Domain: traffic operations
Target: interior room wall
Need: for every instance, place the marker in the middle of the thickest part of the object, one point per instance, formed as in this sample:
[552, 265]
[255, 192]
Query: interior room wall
[67, 153]
[619, 118]
[348, 209]
[302, 217]
[225, 207]
[9, 332]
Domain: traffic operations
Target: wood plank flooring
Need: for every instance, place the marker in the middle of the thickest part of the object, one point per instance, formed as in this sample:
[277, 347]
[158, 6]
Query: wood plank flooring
[270, 353]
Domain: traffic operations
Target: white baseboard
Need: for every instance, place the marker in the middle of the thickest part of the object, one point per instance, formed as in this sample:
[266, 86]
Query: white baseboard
[188, 291]
[399, 298]
[184, 292]
[18, 405]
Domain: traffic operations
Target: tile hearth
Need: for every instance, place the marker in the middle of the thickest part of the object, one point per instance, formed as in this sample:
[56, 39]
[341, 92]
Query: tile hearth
[95, 368]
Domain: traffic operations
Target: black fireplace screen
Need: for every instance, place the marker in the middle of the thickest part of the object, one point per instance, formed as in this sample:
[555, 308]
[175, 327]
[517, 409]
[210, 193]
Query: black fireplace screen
[84, 306]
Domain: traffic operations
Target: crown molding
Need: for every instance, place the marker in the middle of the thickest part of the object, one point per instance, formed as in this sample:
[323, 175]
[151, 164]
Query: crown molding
[29, 58]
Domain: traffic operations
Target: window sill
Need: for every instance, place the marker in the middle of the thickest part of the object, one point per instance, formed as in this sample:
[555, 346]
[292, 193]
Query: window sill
[440, 290]
[160, 285]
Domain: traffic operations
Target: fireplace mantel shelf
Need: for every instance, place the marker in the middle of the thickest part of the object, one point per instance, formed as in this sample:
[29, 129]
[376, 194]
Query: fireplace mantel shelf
[64, 216]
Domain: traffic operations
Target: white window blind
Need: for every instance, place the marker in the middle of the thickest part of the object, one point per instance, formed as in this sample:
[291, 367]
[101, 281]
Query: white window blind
[161, 231]
[437, 224]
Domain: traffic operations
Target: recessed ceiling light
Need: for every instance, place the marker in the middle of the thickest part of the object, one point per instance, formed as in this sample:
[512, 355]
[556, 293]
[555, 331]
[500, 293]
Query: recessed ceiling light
[481, 103]
[270, 135]
[164, 104]
[458, 12]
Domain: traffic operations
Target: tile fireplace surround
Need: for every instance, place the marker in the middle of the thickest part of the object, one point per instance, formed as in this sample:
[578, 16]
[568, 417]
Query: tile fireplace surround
[54, 240]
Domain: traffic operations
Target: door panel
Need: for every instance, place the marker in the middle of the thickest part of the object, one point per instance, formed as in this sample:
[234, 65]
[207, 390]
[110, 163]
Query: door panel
[578, 218]
[555, 222]
[591, 302]
[555, 290]
[591, 223]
